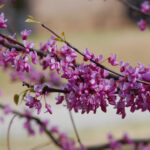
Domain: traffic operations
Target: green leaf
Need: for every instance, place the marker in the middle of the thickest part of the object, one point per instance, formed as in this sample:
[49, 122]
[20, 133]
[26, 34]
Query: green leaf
[31, 19]
[16, 99]
[32, 90]
[24, 94]
[63, 34]
[58, 39]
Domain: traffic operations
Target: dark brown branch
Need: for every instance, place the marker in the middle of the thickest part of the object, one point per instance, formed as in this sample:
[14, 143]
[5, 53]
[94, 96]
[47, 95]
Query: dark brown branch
[39, 52]
[145, 141]
[128, 4]
[19, 47]
[98, 147]
[38, 121]
[46, 88]
[12, 40]
[114, 74]
[79, 52]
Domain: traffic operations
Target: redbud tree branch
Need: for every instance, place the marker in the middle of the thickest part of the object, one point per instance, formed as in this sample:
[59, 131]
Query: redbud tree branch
[38, 121]
[114, 74]
[46, 89]
[79, 52]
[144, 141]
[20, 47]
[128, 4]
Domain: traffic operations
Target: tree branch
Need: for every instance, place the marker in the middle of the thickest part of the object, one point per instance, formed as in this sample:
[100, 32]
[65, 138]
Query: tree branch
[79, 52]
[46, 88]
[38, 121]
[145, 141]
[128, 4]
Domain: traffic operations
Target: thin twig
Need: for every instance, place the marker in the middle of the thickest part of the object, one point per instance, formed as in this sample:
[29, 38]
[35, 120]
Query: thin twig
[75, 128]
[41, 146]
[38, 121]
[145, 141]
[8, 132]
[98, 147]
[128, 4]
[40, 53]
[79, 52]
[46, 88]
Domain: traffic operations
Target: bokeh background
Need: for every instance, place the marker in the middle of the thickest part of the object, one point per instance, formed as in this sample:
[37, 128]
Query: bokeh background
[104, 27]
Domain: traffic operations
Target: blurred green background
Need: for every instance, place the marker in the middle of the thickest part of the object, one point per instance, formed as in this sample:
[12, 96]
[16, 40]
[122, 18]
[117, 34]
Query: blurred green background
[102, 26]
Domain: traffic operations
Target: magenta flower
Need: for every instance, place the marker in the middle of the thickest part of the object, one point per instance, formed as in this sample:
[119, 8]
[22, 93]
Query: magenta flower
[145, 7]
[127, 139]
[29, 128]
[48, 107]
[32, 102]
[2, 21]
[45, 124]
[25, 34]
[112, 60]
[59, 99]
[7, 110]
[54, 129]
[33, 56]
[88, 55]
[114, 144]
[142, 24]
[28, 45]
[146, 77]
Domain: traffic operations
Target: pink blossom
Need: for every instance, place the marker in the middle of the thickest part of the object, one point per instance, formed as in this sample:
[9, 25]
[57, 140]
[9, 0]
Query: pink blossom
[32, 102]
[28, 45]
[7, 110]
[88, 55]
[146, 77]
[54, 129]
[33, 56]
[45, 124]
[3, 21]
[127, 139]
[48, 107]
[25, 34]
[142, 24]
[112, 60]
[29, 128]
[145, 7]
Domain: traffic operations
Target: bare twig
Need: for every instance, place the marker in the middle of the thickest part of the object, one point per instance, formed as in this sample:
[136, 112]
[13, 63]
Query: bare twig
[40, 146]
[46, 88]
[75, 129]
[8, 132]
[144, 141]
[38, 121]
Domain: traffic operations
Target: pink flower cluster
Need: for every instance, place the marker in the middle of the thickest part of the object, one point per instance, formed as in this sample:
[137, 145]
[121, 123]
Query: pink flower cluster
[65, 142]
[145, 8]
[88, 86]
[118, 144]
[3, 21]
